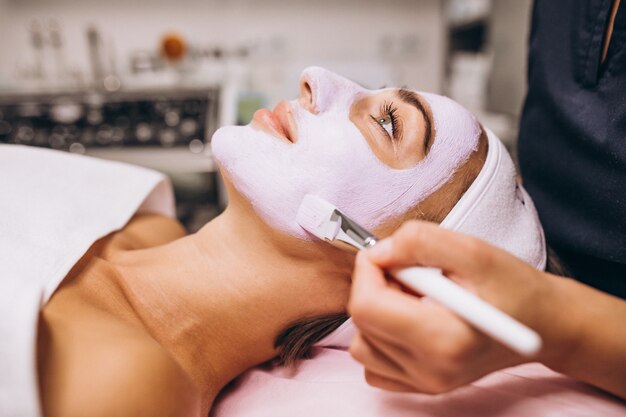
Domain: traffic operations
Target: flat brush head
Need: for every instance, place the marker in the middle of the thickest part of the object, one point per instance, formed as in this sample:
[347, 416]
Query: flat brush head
[315, 215]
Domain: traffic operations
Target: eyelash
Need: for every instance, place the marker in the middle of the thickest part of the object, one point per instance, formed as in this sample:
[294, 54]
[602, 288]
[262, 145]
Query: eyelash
[389, 110]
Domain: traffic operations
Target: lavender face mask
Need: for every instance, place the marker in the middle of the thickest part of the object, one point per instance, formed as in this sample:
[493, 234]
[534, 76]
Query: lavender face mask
[332, 159]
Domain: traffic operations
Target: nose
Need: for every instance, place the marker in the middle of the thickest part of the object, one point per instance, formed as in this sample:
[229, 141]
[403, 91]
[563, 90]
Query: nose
[321, 89]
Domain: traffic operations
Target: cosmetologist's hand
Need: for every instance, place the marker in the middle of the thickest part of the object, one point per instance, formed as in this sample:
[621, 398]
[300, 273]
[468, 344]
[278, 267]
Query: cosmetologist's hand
[408, 343]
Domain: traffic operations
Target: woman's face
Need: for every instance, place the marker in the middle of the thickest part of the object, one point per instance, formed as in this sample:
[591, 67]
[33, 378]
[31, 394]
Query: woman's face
[375, 154]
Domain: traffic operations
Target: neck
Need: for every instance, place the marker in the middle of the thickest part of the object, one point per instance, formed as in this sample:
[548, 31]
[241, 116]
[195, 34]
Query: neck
[217, 299]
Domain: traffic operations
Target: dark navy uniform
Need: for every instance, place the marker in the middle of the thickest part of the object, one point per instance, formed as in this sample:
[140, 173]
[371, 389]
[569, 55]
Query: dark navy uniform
[572, 144]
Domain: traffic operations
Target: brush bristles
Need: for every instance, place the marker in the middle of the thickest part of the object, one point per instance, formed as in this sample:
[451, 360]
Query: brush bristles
[314, 216]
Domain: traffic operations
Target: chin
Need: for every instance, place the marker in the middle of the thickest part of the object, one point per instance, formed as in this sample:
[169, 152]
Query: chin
[260, 171]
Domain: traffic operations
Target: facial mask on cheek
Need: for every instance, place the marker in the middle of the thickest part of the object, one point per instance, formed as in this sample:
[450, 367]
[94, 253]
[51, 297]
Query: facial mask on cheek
[332, 159]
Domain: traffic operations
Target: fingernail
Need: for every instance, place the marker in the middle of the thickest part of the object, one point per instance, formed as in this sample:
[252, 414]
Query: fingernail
[381, 250]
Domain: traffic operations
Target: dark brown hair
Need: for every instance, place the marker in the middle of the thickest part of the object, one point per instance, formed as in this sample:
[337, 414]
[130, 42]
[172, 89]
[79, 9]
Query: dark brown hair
[554, 265]
[295, 341]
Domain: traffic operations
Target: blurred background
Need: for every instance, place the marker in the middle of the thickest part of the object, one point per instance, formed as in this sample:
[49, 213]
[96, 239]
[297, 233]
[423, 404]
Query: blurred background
[149, 81]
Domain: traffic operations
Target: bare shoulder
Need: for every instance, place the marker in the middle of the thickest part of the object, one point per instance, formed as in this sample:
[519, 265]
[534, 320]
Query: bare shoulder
[128, 376]
[145, 380]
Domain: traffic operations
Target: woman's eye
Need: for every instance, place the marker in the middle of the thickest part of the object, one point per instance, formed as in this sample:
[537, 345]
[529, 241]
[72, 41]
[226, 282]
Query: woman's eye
[389, 121]
[386, 124]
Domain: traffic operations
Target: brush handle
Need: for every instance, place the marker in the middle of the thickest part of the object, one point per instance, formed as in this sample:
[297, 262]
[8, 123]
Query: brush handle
[432, 283]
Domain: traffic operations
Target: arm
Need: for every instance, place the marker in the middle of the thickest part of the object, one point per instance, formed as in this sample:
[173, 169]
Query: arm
[412, 344]
[598, 352]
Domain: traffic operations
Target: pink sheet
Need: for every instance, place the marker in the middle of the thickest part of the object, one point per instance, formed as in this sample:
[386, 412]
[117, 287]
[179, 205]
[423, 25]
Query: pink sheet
[332, 384]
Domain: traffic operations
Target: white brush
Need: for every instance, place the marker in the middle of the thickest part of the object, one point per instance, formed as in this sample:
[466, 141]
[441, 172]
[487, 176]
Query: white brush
[326, 222]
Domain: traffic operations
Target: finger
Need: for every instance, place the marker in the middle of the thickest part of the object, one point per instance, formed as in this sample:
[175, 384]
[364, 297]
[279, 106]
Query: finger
[399, 355]
[375, 307]
[398, 318]
[368, 281]
[375, 276]
[424, 243]
[373, 359]
[395, 285]
[385, 383]
[422, 381]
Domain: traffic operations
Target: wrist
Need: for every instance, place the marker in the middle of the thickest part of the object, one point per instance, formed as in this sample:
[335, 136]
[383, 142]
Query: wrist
[560, 324]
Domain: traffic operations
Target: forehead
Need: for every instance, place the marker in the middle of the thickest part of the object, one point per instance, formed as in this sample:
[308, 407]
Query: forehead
[404, 95]
[387, 92]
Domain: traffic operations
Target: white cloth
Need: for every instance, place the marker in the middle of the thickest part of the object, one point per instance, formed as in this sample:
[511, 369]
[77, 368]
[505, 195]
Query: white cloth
[53, 207]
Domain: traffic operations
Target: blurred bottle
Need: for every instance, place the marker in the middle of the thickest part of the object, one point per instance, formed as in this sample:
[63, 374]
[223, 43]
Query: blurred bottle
[173, 47]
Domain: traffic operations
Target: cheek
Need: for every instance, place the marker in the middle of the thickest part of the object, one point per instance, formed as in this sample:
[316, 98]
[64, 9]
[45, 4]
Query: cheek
[379, 145]
[246, 152]
[329, 142]
[348, 173]
[413, 152]
[331, 159]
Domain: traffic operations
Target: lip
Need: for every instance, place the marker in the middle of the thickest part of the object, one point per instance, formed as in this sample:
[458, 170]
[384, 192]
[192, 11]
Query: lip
[278, 122]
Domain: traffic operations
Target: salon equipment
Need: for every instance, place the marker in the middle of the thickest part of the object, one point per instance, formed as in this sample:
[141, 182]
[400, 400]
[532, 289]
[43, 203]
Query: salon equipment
[55, 35]
[94, 41]
[36, 41]
[326, 222]
[158, 118]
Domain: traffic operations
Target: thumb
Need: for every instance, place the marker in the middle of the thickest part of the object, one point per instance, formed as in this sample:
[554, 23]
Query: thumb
[427, 244]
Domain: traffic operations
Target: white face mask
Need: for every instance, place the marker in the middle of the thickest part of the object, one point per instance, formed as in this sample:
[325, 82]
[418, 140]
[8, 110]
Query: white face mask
[332, 159]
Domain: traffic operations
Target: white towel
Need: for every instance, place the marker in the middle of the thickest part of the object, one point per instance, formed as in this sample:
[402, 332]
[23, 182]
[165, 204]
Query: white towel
[53, 207]
[499, 210]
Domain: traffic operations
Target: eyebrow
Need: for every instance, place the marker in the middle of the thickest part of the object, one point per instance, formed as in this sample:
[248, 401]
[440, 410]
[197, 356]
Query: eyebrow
[410, 97]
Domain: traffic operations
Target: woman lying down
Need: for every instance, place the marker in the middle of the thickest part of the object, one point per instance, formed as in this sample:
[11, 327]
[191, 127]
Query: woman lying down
[113, 310]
